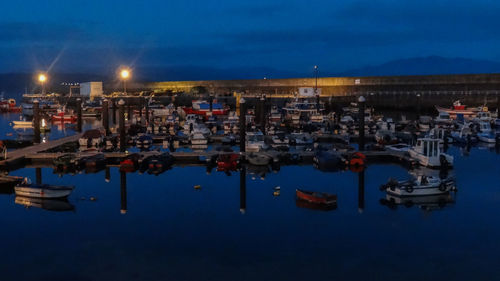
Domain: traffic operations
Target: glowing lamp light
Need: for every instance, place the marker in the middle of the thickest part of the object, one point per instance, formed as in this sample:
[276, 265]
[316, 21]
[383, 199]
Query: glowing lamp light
[42, 78]
[125, 74]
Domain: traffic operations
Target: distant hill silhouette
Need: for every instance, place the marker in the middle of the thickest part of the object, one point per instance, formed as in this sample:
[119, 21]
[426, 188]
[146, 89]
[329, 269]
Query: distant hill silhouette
[427, 66]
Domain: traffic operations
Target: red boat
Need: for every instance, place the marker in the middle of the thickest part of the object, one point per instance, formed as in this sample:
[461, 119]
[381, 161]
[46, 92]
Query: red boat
[458, 108]
[321, 198]
[9, 106]
[203, 107]
[62, 116]
[227, 162]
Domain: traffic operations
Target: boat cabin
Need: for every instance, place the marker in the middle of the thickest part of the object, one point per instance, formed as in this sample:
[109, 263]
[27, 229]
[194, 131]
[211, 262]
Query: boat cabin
[428, 147]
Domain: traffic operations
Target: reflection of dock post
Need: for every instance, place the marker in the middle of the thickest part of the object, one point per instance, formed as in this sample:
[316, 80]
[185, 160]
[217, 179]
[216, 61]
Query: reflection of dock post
[107, 175]
[123, 192]
[79, 115]
[361, 135]
[243, 189]
[243, 127]
[36, 121]
[105, 116]
[361, 191]
[121, 120]
[38, 173]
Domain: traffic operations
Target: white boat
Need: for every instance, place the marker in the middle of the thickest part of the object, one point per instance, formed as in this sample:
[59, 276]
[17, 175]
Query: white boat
[91, 138]
[485, 133]
[419, 186]
[483, 116]
[428, 153]
[440, 134]
[43, 190]
[255, 142]
[198, 139]
[443, 118]
[424, 123]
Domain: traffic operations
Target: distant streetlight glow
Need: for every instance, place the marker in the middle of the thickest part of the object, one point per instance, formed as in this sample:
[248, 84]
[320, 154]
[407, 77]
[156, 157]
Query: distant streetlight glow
[125, 74]
[42, 78]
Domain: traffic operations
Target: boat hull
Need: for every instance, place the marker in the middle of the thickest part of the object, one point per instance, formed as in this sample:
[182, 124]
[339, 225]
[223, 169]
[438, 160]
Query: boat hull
[35, 192]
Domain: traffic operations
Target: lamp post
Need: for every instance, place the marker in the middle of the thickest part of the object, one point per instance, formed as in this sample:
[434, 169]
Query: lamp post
[42, 78]
[316, 87]
[125, 74]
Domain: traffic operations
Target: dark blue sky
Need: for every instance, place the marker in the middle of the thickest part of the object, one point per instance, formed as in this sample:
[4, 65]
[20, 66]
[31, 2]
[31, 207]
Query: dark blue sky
[83, 36]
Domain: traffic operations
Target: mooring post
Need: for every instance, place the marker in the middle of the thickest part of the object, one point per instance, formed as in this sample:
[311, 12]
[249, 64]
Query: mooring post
[263, 113]
[113, 102]
[107, 174]
[129, 111]
[38, 172]
[105, 116]
[418, 106]
[147, 112]
[79, 115]
[361, 135]
[36, 121]
[361, 191]
[123, 193]
[243, 189]
[243, 127]
[121, 120]
[211, 101]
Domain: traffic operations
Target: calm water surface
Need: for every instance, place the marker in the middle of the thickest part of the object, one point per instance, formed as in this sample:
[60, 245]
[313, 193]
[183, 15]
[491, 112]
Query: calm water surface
[170, 231]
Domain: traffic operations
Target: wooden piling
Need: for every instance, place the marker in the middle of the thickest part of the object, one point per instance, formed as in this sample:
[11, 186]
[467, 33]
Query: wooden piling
[36, 121]
[361, 191]
[121, 120]
[79, 115]
[243, 126]
[361, 135]
[105, 116]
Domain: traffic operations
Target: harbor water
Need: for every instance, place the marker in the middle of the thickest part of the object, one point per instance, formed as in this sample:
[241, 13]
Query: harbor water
[145, 227]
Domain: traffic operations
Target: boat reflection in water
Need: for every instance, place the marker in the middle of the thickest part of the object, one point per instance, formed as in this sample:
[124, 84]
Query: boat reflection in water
[319, 207]
[57, 205]
[427, 203]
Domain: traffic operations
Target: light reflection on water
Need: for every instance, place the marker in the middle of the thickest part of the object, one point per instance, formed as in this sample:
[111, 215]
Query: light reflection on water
[172, 231]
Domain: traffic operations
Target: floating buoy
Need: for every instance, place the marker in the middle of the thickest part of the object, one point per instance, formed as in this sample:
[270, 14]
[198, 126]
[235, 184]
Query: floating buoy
[276, 193]
[277, 188]
[197, 186]
[93, 199]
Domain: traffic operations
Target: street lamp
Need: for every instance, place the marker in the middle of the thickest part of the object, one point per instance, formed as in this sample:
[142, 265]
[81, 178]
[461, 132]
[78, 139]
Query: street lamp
[125, 74]
[42, 78]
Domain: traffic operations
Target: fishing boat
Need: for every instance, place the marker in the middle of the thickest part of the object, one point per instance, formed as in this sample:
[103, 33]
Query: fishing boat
[486, 134]
[428, 153]
[421, 185]
[202, 107]
[321, 198]
[63, 116]
[458, 108]
[27, 189]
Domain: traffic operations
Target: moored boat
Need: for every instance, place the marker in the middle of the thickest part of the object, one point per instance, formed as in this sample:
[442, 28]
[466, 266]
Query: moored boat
[43, 190]
[421, 185]
[316, 197]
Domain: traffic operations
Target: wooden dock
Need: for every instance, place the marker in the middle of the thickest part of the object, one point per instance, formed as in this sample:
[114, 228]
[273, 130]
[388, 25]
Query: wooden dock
[19, 155]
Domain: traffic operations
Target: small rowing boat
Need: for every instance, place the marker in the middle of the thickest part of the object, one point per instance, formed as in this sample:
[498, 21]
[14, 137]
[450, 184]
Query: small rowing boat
[43, 190]
[316, 197]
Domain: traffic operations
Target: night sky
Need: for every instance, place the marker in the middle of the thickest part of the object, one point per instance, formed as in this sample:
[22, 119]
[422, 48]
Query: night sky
[98, 36]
